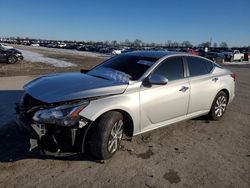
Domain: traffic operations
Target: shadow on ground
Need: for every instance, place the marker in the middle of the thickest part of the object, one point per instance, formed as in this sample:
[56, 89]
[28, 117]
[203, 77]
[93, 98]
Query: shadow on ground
[14, 145]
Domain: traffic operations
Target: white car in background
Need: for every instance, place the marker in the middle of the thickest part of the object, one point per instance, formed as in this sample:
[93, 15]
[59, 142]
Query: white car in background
[5, 46]
[116, 52]
[35, 45]
[62, 45]
[237, 56]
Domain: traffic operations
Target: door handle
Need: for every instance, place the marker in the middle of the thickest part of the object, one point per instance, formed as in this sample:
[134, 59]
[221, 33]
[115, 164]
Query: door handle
[215, 79]
[184, 89]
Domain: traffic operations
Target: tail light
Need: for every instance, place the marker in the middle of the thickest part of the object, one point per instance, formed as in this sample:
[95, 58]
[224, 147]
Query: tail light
[233, 75]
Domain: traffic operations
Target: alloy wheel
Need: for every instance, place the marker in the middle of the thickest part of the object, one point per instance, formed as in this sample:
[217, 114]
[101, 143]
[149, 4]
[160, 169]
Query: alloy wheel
[115, 136]
[12, 59]
[220, 106]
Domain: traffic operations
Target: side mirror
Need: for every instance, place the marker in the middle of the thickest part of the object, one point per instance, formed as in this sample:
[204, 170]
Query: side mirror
[158, 80]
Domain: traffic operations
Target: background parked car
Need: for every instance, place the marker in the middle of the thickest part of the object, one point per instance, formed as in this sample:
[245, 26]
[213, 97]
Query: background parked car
[229, 55]
[246, 53]
[5, 46]
[238, 56]
[10, 55]
[214, 56]
[35, 45]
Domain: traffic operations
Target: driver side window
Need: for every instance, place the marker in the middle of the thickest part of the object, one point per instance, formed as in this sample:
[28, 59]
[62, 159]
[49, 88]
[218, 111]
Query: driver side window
[171, 68]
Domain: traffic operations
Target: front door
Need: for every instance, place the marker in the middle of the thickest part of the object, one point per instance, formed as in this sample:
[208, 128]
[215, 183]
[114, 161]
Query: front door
[160, 103]
[2, 55]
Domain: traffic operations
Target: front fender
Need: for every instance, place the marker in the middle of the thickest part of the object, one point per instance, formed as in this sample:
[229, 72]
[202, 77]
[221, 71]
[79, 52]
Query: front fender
[125, 102]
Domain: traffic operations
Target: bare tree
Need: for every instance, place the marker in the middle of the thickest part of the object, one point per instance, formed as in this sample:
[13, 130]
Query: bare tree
[137, 42]
[175, 44]
[205, 44]
[223, 44]
[169, 43]
[114, 43]
[186, 44]
[127, 42]
[106, 42]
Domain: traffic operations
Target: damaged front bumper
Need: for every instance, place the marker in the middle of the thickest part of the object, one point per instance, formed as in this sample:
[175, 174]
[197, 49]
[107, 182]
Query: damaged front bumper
[52, 139]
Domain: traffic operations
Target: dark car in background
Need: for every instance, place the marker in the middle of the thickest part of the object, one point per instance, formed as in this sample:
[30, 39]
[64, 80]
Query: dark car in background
[214, 56]
[10, 55]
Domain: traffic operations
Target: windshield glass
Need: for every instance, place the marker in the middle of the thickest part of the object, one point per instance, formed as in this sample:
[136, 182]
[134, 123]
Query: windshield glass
[123, 68]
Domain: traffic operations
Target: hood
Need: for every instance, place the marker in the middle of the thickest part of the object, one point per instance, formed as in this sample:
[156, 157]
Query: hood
[70, 86]
[13, 51]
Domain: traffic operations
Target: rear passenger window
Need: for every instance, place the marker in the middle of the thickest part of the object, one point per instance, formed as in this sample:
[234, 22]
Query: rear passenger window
[198, 66]
[172, 68]
[209, 65]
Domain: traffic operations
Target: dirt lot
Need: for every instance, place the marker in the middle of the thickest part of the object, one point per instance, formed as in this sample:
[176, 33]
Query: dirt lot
[194, 153]
[81, 60]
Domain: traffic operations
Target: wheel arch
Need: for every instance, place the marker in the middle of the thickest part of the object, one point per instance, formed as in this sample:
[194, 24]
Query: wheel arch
[227, 93]
[127, 118]
[128, 128]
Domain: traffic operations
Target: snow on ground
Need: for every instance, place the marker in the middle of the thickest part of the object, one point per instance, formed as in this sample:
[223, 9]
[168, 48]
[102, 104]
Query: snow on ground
[237, 63]
[82, 53]
[36, 57]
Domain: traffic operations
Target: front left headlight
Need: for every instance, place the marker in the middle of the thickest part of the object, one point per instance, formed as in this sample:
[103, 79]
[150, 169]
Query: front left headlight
[66, 115]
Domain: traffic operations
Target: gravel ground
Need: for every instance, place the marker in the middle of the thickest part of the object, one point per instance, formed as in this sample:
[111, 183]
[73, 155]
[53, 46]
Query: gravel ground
[194, 153]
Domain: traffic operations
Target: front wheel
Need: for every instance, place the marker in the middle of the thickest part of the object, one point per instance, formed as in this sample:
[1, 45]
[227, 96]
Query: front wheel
[106, 136]
[219, 106]
[12, 59]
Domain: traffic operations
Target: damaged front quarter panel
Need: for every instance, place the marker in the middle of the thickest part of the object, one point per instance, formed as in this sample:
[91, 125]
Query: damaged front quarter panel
[53, 139]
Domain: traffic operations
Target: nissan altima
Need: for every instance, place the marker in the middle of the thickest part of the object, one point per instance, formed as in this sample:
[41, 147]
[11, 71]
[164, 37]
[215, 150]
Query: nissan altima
[128, 94]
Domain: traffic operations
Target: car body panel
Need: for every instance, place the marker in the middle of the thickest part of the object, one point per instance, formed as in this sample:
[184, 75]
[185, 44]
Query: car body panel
[129, 102]
[202, 92]
[70, 86]
[160, 103]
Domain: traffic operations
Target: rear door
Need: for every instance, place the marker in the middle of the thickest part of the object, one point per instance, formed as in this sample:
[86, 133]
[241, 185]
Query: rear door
[203, 84]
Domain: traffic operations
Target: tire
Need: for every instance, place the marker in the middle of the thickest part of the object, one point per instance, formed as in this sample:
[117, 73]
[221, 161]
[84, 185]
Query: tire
[12, 59]
[231, 59]
[219, 106]
[106, 136]
[241, 59]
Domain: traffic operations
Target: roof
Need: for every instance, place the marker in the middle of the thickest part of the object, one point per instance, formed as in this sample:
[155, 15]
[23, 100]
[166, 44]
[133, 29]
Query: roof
[152, 54]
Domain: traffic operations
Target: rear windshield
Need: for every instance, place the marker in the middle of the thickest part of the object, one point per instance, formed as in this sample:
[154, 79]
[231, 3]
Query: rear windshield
[125, 66]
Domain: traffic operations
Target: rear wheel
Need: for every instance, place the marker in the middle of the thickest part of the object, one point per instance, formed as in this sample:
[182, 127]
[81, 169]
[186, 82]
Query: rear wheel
[231, 59]
[106, 138]
[219, 106]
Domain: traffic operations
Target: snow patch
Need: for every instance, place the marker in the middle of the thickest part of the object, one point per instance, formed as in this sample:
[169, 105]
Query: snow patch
[36, 57]
[237, 63]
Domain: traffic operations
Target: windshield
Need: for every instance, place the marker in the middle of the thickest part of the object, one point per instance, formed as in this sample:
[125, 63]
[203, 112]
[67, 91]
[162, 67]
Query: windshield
[123, 68]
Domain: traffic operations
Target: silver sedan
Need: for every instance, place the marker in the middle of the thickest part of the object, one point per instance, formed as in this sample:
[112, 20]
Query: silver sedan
[129, 94]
